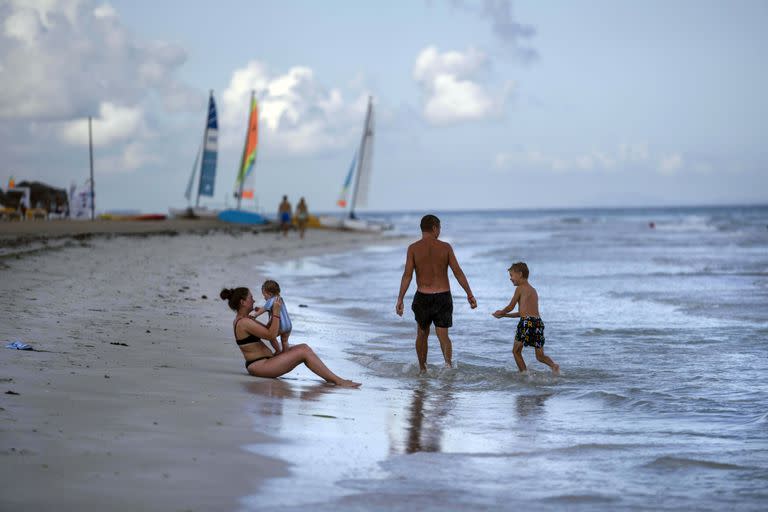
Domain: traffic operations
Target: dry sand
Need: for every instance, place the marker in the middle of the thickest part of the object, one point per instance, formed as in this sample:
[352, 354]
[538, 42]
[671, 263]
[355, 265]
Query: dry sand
[135, 397]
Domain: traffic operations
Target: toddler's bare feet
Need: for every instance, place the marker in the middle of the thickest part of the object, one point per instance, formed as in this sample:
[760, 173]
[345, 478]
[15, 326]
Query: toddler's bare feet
[556, 369]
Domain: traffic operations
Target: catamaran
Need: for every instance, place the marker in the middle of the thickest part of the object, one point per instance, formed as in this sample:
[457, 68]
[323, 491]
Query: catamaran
[360, 174]
[209, 149]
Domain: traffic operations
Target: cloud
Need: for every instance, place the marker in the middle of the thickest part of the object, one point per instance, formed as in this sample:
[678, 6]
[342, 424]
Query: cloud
[63, 58]
[626, 157]
[451, 86]
[511, 33]
[105, 11]
[112, 124]
[298, 114]
[128, 158]
[670, 164]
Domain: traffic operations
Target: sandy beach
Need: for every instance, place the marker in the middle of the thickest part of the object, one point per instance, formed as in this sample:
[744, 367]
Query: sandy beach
[135, 397]
[30, 236]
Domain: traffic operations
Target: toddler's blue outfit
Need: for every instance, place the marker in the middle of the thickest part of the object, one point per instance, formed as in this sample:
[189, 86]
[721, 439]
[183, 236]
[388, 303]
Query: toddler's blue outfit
[285, 320]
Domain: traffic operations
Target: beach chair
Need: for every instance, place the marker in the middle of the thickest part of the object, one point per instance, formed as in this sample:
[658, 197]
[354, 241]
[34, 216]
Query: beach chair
[37, 213]
[8, 213]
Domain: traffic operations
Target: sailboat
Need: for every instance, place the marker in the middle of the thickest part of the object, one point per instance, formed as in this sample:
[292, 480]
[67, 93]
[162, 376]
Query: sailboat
[244, 182]
[357, 183]
[209, 149]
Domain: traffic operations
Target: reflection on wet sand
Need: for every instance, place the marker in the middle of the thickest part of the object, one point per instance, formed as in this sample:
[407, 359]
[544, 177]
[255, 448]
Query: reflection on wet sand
[531, 405]
[277, 390]
[429, 405]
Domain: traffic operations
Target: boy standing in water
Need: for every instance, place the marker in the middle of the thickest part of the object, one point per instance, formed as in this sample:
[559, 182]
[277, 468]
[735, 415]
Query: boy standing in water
[530, 328]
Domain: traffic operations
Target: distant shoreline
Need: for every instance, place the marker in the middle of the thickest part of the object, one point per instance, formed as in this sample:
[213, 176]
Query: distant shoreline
[20, 232]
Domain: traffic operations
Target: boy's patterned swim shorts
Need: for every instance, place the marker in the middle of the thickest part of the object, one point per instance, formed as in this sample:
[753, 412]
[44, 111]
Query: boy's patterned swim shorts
[530, 331]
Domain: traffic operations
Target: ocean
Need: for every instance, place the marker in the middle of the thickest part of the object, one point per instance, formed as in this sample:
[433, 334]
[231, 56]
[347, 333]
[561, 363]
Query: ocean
[661, 332]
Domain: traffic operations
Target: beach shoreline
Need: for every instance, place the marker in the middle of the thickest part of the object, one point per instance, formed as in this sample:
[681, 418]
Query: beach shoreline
[135, 397]
[23, 235]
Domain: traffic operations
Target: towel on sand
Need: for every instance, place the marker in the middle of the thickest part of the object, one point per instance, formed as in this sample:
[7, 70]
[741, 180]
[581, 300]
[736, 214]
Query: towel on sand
[18, 345]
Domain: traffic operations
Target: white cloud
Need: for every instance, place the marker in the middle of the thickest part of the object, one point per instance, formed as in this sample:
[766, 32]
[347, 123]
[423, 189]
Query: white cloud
[451, 86]
[112, 124]
[300, 115]
[105, 11]
[624, 157]
[431, 63]
[670, 164]
[63, 58]
[28, 19]
[125, 159]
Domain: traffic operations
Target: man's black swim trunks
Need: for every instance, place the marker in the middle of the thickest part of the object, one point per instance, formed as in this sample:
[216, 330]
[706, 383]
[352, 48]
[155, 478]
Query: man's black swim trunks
[530, 331]
[434, 308]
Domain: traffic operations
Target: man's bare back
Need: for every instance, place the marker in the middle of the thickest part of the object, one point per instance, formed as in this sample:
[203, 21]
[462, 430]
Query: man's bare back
[430, 260]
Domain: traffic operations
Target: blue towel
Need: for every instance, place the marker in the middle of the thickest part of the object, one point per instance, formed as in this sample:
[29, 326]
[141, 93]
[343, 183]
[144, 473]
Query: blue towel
[18, 345]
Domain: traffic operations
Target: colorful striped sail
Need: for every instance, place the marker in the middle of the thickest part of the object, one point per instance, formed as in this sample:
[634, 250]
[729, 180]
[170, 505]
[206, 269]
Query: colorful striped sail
[244, 182]
[342, 201]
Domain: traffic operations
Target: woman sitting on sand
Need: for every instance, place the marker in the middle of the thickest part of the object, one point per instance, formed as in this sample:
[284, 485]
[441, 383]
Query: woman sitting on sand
[259, 360]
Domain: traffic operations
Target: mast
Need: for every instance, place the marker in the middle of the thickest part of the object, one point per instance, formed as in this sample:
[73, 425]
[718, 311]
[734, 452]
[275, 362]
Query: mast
[241, 172]
[361, 156]
[205, 140]
[93, 185]
[188, 193]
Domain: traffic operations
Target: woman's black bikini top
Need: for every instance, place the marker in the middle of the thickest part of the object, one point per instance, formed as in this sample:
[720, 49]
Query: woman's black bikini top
[250, 339]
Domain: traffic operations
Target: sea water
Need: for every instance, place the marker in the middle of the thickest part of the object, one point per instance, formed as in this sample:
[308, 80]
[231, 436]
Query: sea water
[661, 331]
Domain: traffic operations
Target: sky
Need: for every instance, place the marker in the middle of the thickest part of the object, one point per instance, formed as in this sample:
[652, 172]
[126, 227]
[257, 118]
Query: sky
[478, 104]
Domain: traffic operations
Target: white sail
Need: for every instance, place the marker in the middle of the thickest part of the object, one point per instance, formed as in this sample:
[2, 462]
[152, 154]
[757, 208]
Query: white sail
[361, 164]
[366, 159]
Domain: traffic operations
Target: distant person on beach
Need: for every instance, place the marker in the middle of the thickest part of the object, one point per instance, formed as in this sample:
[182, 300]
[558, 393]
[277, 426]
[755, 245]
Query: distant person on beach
[259, 360]
[432, 303]
[284, 215]
[271, 292]
[530, 328]
[302, 216]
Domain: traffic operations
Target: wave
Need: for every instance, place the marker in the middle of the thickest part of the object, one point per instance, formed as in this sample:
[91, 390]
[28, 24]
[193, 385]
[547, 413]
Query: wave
[607, 396]
[671, 462]
[761, 419]
[464, 376]
[576, 499]
[624, 332]
[599, 447]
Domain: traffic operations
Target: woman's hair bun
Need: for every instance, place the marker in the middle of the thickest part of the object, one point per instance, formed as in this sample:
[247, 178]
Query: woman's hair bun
[226, 294]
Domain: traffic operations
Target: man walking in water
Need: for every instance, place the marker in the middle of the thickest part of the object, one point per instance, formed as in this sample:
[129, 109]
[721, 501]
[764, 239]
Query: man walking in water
[432, 302]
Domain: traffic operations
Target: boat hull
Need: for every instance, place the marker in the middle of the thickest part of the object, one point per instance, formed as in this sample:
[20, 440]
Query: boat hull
[329, 221]
[242, 217]
[193, 213]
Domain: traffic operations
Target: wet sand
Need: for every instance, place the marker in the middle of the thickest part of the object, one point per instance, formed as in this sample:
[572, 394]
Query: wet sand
[136, 397]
